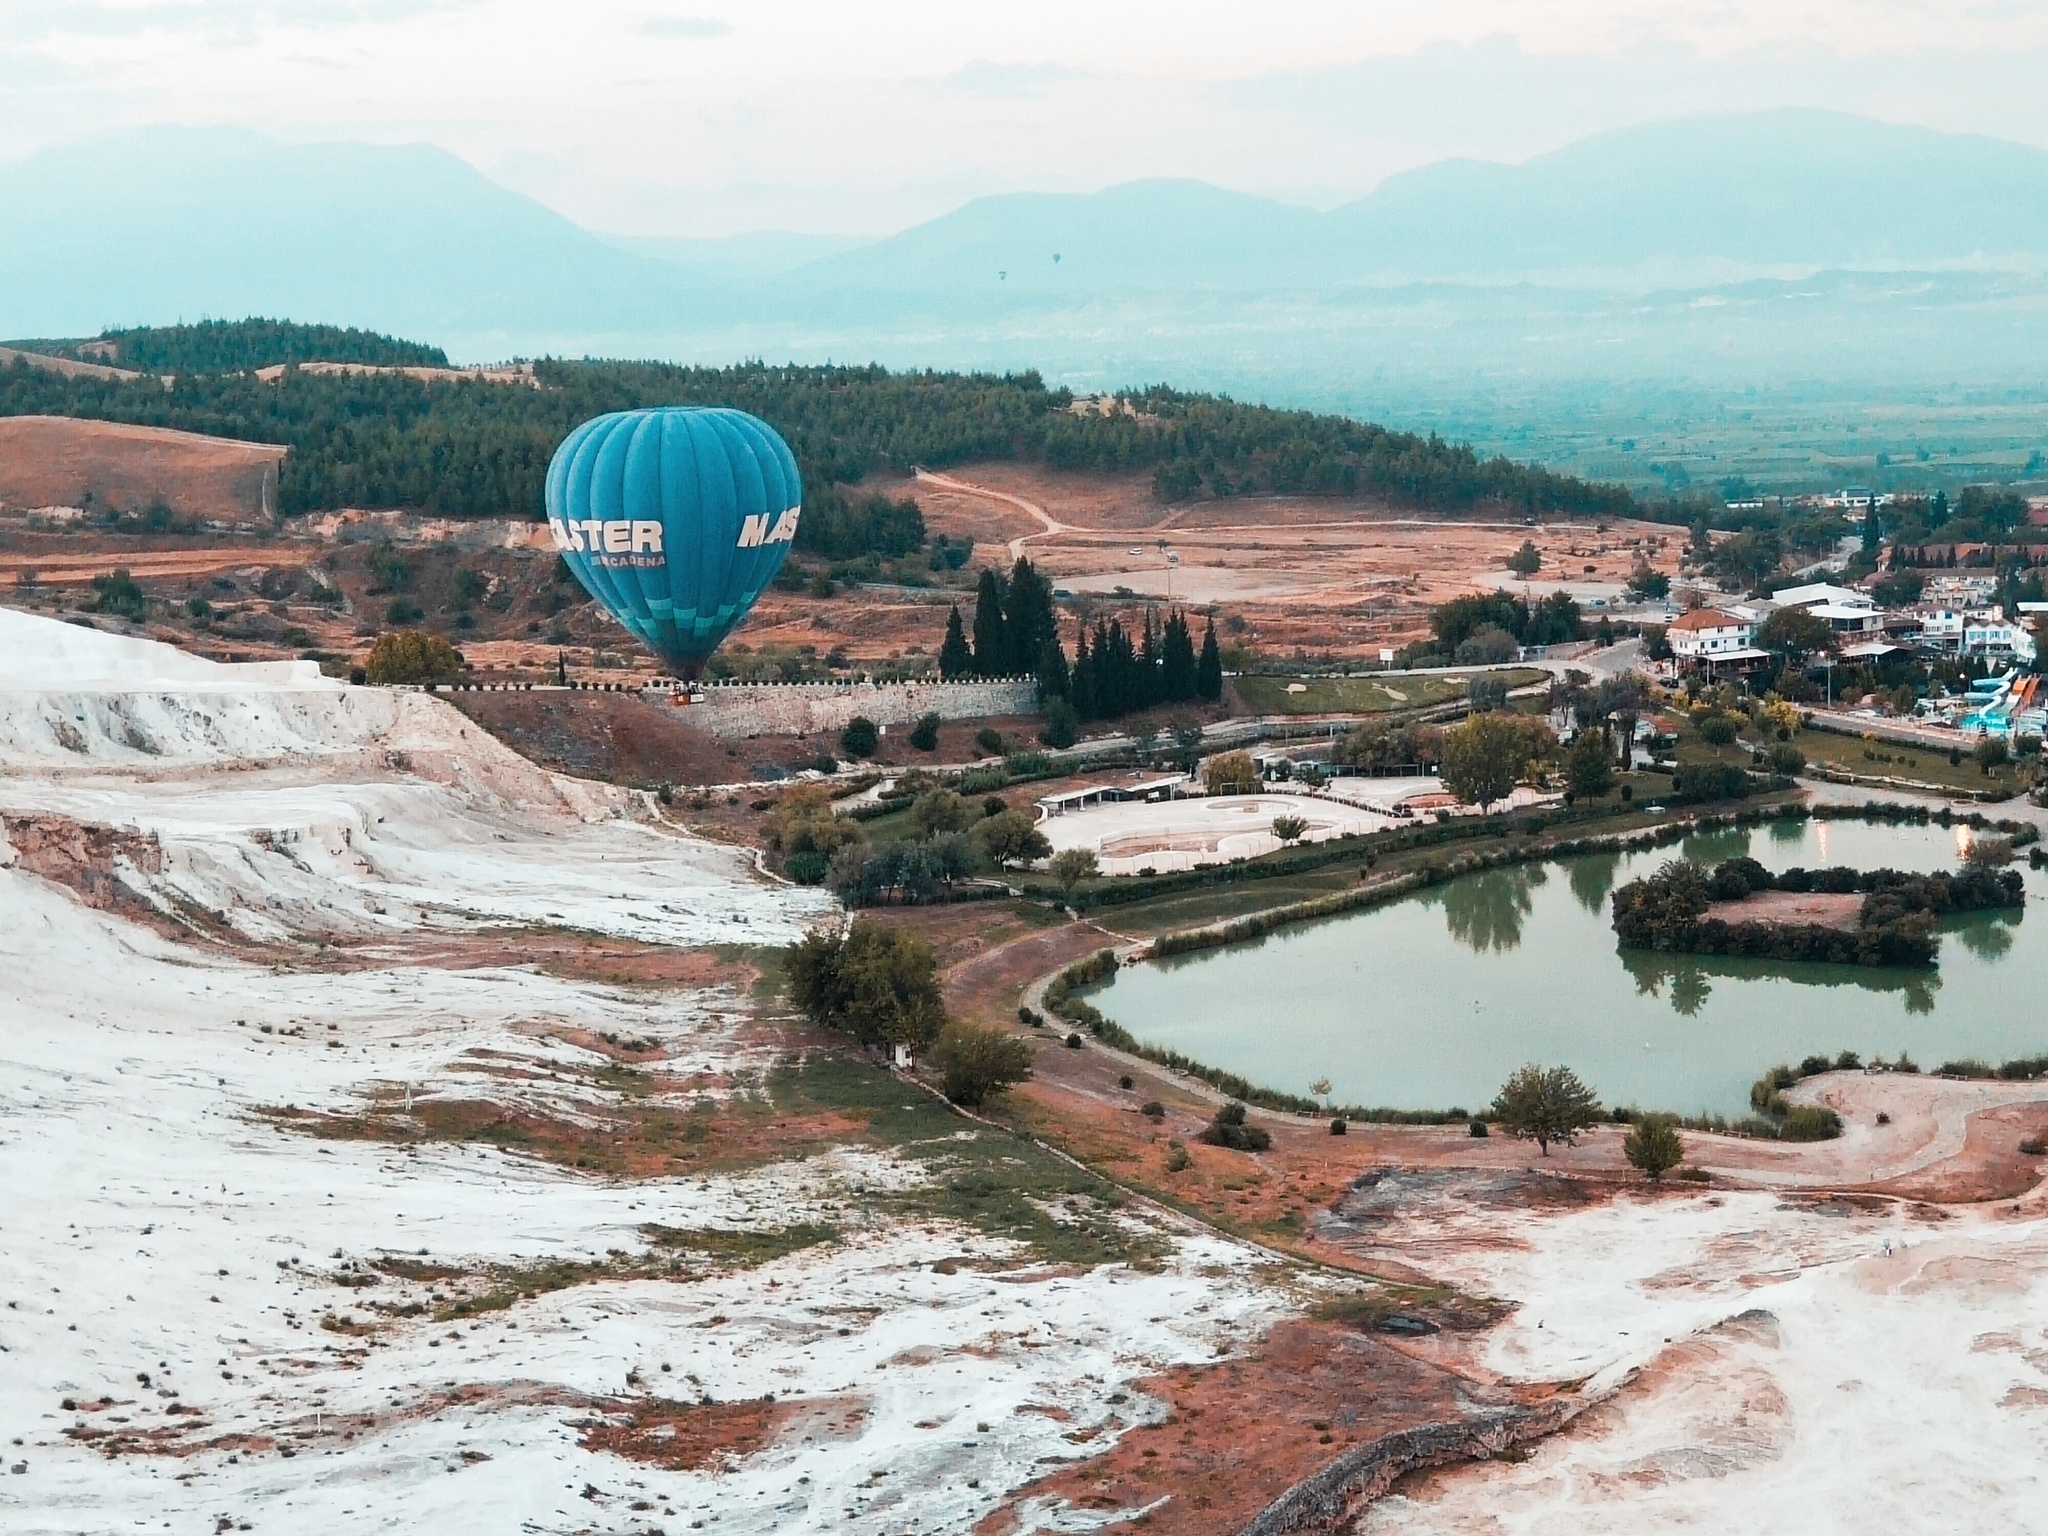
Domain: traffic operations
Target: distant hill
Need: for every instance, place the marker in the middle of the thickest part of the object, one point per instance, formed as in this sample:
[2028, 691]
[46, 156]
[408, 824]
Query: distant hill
[158, 225]
[1747, 194]
[1765, 189]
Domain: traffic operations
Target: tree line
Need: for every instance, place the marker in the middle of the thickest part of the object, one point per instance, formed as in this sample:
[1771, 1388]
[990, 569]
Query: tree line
[476, 449]
[1112, 674]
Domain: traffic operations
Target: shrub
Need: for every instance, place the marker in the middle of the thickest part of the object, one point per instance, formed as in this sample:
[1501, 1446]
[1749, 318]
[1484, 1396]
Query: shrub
[1230, 773]
[989, 739]
[1073, 1042]
[1229, 1129]
[1338, 1127]
[1654, 1147]
[860, 738]
[1177, 1159]
[1062, 725]
[408, 656]
[975, 1063]
[1127, 1082]
[925, 734]
[1153, 1110]
[119, 595]
[1476, 1128]
[2033, 1146]
[1810, 1122]
[807, 868]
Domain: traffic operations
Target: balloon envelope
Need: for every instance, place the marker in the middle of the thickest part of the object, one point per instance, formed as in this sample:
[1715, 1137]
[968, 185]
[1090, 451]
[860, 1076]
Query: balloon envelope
[674, 519]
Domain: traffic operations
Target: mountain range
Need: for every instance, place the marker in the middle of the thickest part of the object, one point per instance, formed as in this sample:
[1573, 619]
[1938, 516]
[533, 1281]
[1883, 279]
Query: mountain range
[1741, 249]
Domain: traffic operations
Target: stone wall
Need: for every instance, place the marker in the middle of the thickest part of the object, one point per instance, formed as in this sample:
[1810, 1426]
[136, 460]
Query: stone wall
[733, 710]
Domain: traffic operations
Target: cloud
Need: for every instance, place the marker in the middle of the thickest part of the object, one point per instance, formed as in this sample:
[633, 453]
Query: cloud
[984, 77]
[39, 20]
[685, 26]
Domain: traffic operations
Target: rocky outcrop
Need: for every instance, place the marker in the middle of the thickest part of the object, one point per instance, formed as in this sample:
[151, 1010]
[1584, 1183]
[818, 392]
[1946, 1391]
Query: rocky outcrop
[1329, 1499]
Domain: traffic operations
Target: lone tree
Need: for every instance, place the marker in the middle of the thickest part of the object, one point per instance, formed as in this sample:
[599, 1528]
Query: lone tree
[1589, 766]
[1546, 1104]
[1526, 561]
[1231, 773]
[411, 656]
[1796, 632]
[1011, 837]
[1653, 1146]
[1288, 828]
[1070, 866]
[875, 981]
[975, 1062]
[1484, 757]
[860, 738]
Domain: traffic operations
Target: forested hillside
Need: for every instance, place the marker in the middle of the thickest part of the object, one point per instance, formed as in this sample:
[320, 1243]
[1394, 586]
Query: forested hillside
[481, 450]
[226, 346]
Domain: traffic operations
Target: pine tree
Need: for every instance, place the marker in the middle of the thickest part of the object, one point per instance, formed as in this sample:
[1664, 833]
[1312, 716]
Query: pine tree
[1177, 660]
[956, 657]
[1147, 690]
[1209, 670]
[992, 656]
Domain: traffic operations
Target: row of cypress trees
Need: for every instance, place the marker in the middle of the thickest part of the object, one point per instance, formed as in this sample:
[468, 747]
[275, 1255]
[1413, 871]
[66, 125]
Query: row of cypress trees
[1114, 673]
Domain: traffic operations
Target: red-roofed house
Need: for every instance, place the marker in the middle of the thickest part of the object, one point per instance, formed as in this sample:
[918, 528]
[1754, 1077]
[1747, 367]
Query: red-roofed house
[1708, 634]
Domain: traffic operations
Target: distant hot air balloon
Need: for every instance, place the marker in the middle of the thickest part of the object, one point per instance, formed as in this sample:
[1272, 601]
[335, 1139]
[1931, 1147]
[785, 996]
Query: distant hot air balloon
[675, 519]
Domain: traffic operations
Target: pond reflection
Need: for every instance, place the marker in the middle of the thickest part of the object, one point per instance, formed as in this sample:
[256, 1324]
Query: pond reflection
[1485, 911]
[1592, 879]
[1690, 978]
[1987, 935]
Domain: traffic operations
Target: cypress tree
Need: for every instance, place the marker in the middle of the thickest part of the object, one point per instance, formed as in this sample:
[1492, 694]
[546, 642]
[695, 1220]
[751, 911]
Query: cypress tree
[956, 657]
[1147, 691]
[1177, 660]
[1054, 681]
[992, 656]
[1209, 670]
[1082, 692]
[1028, 614]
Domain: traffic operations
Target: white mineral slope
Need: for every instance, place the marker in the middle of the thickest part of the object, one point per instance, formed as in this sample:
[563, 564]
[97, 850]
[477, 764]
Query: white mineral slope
[295, 807]
[154, 1226]
[1794, 1374]
[155, 1223]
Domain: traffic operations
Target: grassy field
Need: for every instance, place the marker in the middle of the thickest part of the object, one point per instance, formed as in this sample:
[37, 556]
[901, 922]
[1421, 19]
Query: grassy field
[1268, 695]
[1889, 759]
[1874, 759]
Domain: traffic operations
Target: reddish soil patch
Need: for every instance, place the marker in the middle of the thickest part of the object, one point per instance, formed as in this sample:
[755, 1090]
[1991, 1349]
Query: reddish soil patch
[1991, 1165]
[1240, 1433]
[623, 738]
[86, 857]
[629, 1124]
[55, 461]
[572, 956]
[1816, 909]
[690, 1437]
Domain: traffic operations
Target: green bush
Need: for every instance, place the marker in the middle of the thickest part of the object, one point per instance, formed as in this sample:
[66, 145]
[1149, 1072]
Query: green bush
[925, 734]
[860, 738]
[1229, 1129]
[1810, 1122]
[1062, 725]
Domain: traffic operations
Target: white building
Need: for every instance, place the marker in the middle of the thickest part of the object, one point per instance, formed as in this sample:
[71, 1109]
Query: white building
[1708, 634]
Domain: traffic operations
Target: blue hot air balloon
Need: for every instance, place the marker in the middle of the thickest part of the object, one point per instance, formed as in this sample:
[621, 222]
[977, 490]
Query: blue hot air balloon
[674, 519]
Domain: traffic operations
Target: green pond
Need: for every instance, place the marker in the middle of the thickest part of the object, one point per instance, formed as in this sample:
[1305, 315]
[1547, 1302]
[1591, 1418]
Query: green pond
[1431, 1001]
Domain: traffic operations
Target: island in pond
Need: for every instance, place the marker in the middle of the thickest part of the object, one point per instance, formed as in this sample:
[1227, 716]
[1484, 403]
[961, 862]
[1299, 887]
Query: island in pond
[1843, 916]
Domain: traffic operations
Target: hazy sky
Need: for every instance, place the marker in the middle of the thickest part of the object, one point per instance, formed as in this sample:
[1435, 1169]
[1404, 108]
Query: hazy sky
[709, 116]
